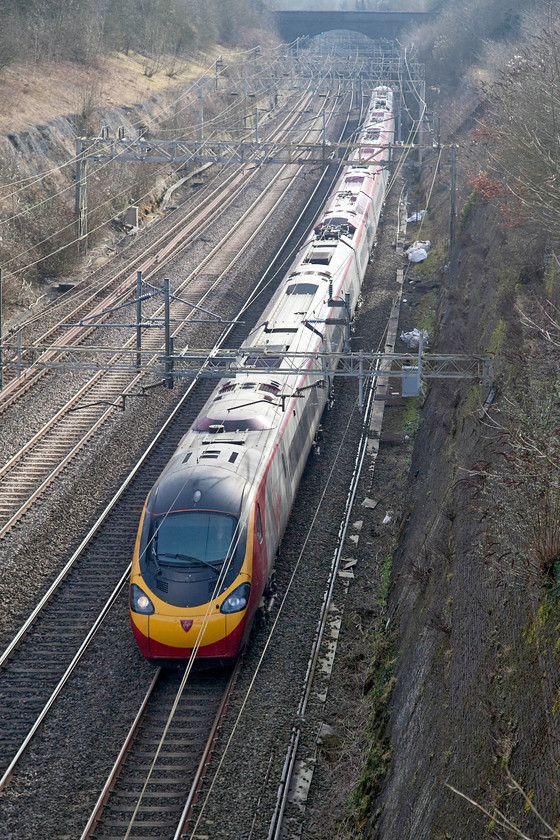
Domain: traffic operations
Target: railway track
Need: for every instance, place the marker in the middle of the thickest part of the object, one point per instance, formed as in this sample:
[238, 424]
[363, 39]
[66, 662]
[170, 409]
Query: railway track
[33, 469]
[285, 819]
[175, 238]
[30, 685]
[135, 806]
[77, 602]
[39, 661]
[35, 685]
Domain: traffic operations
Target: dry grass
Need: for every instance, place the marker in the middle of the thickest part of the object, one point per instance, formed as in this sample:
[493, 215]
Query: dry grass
[31, 94]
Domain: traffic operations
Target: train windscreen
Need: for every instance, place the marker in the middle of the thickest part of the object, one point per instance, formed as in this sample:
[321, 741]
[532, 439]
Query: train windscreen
[193, 538]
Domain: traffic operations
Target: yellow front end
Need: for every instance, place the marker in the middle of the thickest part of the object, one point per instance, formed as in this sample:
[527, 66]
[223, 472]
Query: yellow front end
[173, 632]
[170, 632]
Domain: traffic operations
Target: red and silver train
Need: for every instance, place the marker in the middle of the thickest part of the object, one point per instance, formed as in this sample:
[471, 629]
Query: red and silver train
[212, 523]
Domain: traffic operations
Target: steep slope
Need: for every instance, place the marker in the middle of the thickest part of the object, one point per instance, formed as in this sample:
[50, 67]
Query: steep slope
[476, 621]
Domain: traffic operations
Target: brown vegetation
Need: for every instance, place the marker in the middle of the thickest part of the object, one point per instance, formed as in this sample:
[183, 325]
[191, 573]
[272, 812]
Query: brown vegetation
[476, 576]
[62, 77]
[56, 30]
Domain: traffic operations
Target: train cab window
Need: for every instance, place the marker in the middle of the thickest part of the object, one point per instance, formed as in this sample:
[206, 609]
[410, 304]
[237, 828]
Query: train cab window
[194, 538]
[258, 525]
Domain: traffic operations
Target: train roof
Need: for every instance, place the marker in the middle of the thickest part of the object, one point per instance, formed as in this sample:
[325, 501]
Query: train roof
[195, 489]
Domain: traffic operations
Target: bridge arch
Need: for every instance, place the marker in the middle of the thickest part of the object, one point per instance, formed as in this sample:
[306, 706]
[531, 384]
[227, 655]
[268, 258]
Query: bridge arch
[376, 25]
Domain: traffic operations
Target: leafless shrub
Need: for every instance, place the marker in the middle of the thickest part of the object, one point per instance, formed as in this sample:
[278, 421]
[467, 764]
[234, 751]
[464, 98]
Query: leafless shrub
[88, 101]
[521, 500]
[499, 818]
[523, 104]
[420, 574]
[8, 46]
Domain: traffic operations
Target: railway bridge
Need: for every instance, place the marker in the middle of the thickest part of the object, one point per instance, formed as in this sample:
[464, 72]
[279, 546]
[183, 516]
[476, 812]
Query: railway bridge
[294, 24]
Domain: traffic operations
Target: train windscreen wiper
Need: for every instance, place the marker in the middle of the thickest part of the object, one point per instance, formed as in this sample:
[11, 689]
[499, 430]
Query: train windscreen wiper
[154, 552]
[192, 560]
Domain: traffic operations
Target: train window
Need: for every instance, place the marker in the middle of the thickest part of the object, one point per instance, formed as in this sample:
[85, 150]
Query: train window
[258, 524]
[284, 465]
[194, 538]
[302, 289]
[229, 387]
[233, 457]
[186, 458]
[270, 388]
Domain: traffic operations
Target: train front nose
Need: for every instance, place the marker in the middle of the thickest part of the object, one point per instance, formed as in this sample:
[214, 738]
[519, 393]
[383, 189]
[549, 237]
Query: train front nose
[176, 637]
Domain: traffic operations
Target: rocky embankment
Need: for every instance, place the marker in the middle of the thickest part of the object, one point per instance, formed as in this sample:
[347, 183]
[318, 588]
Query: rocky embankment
[475, 622]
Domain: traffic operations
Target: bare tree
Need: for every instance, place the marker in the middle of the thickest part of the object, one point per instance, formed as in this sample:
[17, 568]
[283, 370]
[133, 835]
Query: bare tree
[523, 123]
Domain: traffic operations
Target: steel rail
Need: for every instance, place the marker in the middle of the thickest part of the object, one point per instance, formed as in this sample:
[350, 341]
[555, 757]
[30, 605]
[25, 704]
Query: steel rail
[202, 768]
[215, 205]
[117, 767]
[372, 415]
[159, 262]
[64, 679]
[88, 538]
[276, 825]
[108, 384]
[284, 125]
[290, 759]
[277, 821]
[48, 595]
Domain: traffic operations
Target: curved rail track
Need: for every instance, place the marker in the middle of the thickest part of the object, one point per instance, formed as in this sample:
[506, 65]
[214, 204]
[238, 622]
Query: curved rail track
[38, 662]
[131, 804]
[176, 237]
[31, 470]
[38, 673]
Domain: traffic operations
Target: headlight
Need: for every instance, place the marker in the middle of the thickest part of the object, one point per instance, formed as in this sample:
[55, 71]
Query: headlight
[238, 599]
[139, 601]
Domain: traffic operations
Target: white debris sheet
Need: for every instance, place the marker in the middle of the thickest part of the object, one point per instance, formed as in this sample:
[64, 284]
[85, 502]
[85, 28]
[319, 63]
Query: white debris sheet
[418, 251]
[417, 217]
[412, 338]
